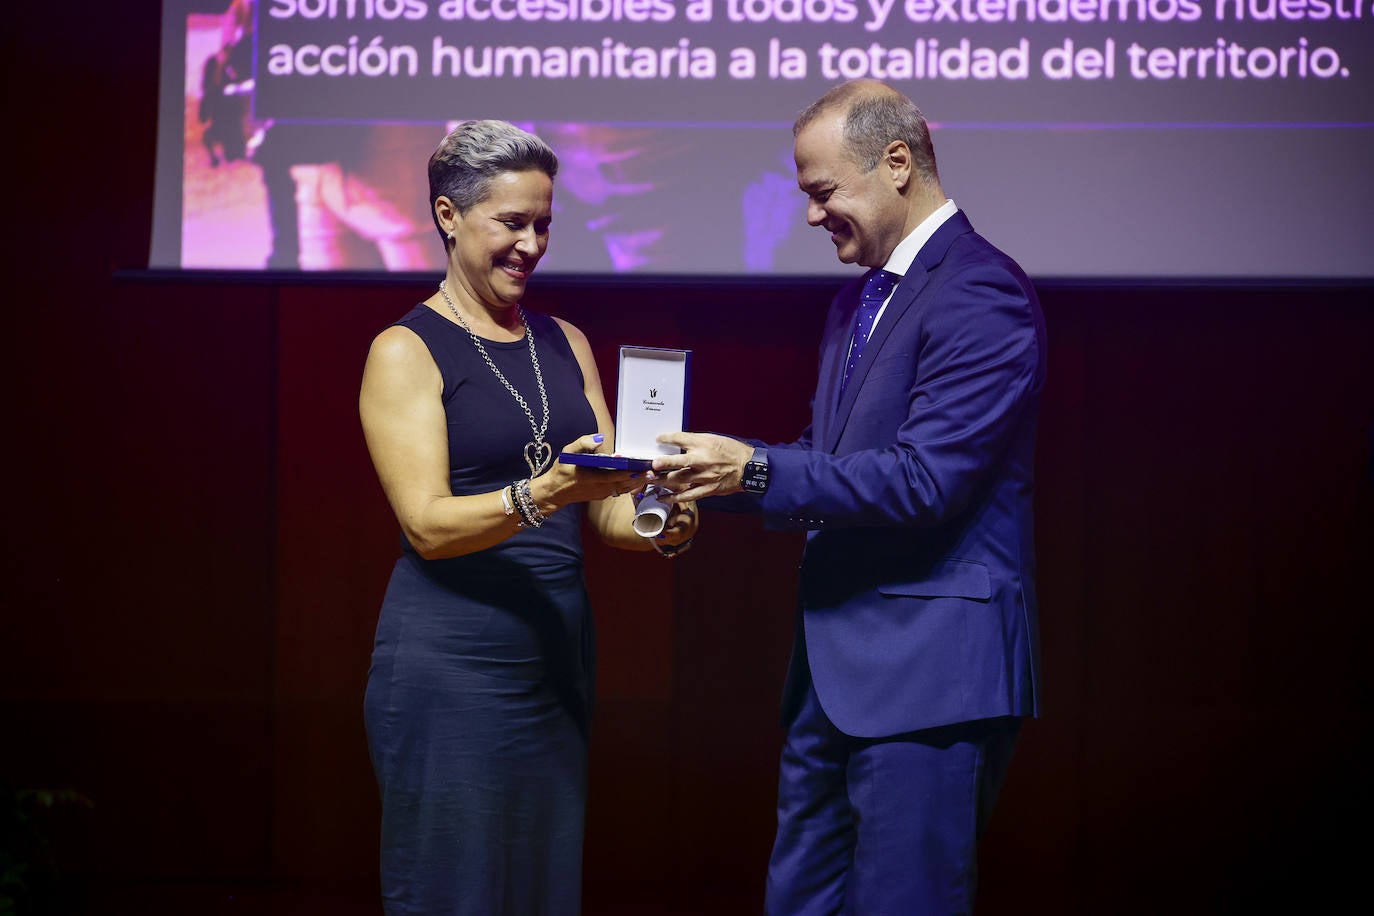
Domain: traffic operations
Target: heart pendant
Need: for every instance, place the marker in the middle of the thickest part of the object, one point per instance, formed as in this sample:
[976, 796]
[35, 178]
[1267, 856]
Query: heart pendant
[537, 456]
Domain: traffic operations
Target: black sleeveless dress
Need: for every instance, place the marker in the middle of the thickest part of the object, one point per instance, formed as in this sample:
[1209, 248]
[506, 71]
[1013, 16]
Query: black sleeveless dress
[479, 696]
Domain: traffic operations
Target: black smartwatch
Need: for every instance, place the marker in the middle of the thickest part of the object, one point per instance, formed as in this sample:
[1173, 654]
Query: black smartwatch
[755, 478]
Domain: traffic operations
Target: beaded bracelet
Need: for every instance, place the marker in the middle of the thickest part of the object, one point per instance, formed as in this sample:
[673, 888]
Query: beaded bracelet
[530, 516]
[521, 506]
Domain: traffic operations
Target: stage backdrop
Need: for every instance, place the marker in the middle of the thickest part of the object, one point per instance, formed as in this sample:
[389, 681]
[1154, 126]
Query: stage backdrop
[195, 548]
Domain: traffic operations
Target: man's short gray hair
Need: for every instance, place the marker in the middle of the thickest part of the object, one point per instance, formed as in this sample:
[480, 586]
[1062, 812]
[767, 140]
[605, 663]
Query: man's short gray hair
[875, 115]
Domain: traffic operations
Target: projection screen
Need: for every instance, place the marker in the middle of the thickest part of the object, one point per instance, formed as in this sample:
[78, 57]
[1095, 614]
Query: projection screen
[1090, 139]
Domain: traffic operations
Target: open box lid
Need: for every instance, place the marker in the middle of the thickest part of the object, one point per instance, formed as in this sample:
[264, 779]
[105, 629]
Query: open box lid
[651, 400]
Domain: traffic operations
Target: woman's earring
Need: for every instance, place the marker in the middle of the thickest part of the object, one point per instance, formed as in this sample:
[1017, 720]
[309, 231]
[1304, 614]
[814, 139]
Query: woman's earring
[450, 235]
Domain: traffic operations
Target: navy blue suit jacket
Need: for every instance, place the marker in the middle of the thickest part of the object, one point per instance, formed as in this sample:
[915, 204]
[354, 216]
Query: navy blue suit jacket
[917, 585]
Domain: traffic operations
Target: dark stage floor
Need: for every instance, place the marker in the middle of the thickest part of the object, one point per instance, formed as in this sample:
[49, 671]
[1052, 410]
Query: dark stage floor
[189, 899]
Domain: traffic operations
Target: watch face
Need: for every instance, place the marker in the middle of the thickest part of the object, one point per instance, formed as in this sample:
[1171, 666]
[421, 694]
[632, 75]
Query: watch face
[755, 477]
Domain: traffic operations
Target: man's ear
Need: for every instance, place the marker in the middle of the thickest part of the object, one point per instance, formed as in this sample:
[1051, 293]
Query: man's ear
[897, 159]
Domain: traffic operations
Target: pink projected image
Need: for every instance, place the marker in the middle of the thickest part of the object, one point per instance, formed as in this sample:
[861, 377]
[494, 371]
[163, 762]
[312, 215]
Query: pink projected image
[286, 196]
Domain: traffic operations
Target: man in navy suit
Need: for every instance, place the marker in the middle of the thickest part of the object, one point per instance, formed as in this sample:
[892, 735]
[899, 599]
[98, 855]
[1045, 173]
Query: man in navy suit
[916, 652]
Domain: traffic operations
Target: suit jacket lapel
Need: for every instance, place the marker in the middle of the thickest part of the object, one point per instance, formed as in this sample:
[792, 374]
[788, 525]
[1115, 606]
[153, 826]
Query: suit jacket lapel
[903, 299]
[834, 352]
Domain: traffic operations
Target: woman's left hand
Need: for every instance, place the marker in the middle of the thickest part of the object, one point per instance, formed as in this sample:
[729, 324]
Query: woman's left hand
[680, 526]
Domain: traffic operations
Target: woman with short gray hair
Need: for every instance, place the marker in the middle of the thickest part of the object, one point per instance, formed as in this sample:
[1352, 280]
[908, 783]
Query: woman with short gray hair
[479, 695]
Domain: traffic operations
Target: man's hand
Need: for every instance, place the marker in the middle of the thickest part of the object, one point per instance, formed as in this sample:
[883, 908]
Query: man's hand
[709, 465]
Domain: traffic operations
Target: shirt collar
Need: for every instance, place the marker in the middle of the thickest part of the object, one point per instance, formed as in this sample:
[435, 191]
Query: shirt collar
[907, 249]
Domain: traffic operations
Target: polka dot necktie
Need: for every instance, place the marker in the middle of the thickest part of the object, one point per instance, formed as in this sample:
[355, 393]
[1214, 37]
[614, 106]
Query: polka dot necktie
[877, 287]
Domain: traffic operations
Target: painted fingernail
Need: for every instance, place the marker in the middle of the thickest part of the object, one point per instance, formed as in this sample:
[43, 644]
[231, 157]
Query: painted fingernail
[598, 438]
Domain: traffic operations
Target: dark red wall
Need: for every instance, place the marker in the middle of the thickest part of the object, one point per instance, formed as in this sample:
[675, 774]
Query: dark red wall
[196, 548]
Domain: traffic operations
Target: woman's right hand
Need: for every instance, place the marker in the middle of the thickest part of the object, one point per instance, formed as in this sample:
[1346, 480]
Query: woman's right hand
[564, 484]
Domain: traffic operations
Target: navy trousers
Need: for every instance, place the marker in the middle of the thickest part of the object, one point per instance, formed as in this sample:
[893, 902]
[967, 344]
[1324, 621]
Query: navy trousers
[883, 826]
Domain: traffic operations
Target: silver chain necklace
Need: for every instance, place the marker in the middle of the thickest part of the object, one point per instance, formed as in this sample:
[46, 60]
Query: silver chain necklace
[538, 453]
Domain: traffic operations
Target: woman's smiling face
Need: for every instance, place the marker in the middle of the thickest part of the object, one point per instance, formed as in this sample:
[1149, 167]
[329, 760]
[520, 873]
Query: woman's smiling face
[498, 242]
